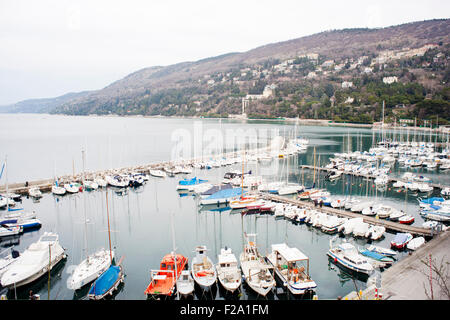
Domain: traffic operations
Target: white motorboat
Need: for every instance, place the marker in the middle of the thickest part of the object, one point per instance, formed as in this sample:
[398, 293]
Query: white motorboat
[348, 226]
[290, 189]
[445, 191]
[361, 229]
[256, 271]
[10, 230]
[35, 192]
[202, 187]
[34, 261]
[7, 258]
[348, 256]
[117, 181]
[381, 180]
[228, 272]
[338, 203]
[101, 182]
[59, 191]
[292, 268]
[383, 211]
[425, 187]
[359, 206]
[375, 232]
[90, 185]
[396, 214]
[398, 184]
[90, 269]
[72, 187]
[415, 243]
[185, 284]
[158, 173]
[202, 269]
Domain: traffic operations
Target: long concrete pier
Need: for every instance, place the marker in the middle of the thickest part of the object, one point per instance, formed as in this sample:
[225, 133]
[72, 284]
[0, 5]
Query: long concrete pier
[389, 225]
[390, 179]
[414, 277]
[45, 185]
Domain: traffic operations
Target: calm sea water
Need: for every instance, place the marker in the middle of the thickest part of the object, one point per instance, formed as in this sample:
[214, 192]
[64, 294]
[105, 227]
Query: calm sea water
[40, 146]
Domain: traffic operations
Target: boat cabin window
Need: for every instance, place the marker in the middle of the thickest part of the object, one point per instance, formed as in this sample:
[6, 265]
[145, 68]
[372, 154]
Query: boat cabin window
[163, 266]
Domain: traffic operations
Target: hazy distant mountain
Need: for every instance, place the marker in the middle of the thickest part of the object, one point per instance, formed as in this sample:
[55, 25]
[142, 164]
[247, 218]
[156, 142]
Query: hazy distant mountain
[217, 84]
[43, 105]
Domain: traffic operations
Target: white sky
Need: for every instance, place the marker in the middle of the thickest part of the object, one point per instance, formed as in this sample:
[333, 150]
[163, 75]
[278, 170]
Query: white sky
[48, 48]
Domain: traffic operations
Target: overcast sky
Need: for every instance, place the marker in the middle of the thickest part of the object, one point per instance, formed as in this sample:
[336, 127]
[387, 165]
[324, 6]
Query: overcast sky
[48, 48]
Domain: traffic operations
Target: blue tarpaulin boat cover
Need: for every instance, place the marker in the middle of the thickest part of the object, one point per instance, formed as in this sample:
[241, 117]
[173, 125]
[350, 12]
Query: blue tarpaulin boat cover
[400, 238]
[106, 281]
[189, 182]
[375, 255]
[227, 193]
[432, 200]
[215, 189]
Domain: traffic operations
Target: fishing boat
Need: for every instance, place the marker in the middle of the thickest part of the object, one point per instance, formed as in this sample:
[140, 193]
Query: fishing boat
[292, 268]
[202, 269]
[185, 284]
[108, 282]
[401, 240]
[34, 192]
[35, 261]
[228, 272]
[346, 255]
[406, 219]
[255, 269]
[163, 281]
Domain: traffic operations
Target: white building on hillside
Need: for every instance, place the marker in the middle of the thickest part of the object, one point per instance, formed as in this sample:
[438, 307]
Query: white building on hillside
[389, 80]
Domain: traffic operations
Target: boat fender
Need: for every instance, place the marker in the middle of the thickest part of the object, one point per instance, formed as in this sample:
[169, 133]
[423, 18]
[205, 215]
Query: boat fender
[335, 259]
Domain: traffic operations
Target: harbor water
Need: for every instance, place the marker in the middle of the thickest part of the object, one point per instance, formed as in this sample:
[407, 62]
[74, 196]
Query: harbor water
[44, 146]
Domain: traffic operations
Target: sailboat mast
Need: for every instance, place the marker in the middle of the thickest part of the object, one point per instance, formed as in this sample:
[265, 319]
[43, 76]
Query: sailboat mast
[109, 232]
[314, 171]
[174, 252]
[84, 203]
[7, 190]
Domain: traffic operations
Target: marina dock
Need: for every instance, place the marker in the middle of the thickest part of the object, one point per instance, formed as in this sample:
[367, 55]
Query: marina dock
[389, 225]
[390, 179]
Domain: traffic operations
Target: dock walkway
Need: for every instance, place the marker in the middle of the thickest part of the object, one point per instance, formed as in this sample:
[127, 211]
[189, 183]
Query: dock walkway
[390, 179]
[389, 225]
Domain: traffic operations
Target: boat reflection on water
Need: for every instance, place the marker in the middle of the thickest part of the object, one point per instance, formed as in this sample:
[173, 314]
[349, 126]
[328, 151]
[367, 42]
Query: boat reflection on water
[214, 208]
[346, 274]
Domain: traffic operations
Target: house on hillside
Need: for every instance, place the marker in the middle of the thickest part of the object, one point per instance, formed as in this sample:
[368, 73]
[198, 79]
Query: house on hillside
[347, 84]
[389, 80]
